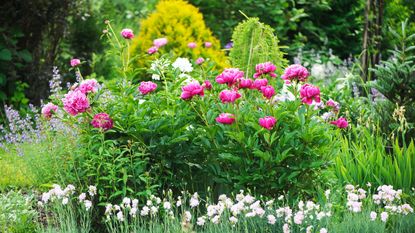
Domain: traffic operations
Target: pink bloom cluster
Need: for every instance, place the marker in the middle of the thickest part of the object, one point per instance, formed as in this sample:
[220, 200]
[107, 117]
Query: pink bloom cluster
[103, 121]
[268, 91]
[48, 110]
[333, 104]
[207, 85]
[295, 72]
[267, 122]
[340, 123]
[229, 96]
[192, 89]
[191, 45]
[152, 50]
[75, 62]
[200, 60]
[75, 102]
[160, 42]
[308, 93]
[265, 68]
[259, 83]
[88, 86]
[245, 83]
[127, 33]
[208, 44]
[147, 87]
[225, 118]
[230, 76]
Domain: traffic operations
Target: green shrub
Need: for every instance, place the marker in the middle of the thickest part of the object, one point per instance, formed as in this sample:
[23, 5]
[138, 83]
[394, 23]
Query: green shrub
[254, 43]
[180, 23]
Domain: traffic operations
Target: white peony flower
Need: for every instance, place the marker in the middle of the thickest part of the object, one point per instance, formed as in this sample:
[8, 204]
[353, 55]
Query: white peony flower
[183, 64]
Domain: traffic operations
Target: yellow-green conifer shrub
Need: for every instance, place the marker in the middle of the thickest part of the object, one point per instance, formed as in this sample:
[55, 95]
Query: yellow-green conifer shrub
[181, 23]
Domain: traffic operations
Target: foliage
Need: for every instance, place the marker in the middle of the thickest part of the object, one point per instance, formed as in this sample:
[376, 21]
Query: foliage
[254, 43]
[16, 213]
[181, 23]
[370, 160]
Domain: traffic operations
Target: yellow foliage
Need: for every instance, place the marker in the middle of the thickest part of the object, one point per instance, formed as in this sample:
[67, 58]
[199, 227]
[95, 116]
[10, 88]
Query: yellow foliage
[181, 23]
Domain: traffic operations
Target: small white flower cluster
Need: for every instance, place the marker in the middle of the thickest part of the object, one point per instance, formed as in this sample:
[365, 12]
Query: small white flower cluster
[64, 195]
[354, 198]
[183, 64]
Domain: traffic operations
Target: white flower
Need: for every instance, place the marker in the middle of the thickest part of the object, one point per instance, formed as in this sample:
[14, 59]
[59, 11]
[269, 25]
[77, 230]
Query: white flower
[65, 201]
[299, 217]
[286, 228]
[167, 205]
[271, 219]
[233, 220]
[309, 229]
[327, 193]
[149, 203]
[248, 199]
[349, 188]
[320, 215]
[144, 211]
[88, 204]
[215, 220]
[82, 197]
[194, 201]
[269, 203]
[126, 201]
[384, 216]
[323, 230]
[155, 77]
[45, 197]
[250, 214]
[153, 210]
[406, 209]
[318, 71]
[201, 221]
[108, 209]
[135, 203]
[373, 215]
[187, 216]
[281, 197]
[183, 64]
[120, 216]
[92, 190]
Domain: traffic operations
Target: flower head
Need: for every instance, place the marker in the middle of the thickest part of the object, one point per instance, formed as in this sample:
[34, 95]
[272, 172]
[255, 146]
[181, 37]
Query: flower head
[268, 91]
[191, 45]
[48, 110]
[340, 123]
[200, 60]
[88, 86]
[265, 68]
[229, 96]
[152, 50]
[192, 89]
[308, 93]
[160, 42]
[258, 83]
[127, 33]
[230, 76]
[75, 102]
[225, 118]
[103, 121]
[75, 62]
[267, 122]
[245, 83]
[333, 104]
[295, 72]
[373, 215]
[183, 64]
[207, 85]
[208, 44]
[147, 87]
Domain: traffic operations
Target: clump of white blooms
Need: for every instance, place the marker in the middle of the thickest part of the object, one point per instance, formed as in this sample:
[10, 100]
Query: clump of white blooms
[183, 64]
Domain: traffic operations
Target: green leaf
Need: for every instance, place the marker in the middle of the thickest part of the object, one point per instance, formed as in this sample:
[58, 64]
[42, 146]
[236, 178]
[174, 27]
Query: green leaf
[25, 55]
[5, 55]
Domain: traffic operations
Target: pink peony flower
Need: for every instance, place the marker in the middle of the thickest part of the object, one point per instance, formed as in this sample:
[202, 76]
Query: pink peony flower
[229, 96]
[192, 89]
[230, 76]
[75, 62]
[147, 87]
[207, 85]
[268, 91]
[208, 44]
[88, 86]
[200, 60]
[333, 104]
[152, 50]
[308, 93]
[127, 33]
[48, 110]
[341, 123]
[245, 83]
[160, 42]
[258, 83]
[75, 102]
[225, 118]
[103, 121]
[267, 122]
[265, 68]
[295, 72]
[191, 45]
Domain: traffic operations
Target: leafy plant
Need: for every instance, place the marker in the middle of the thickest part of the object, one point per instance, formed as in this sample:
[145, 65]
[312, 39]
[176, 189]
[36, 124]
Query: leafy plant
[254, 43]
